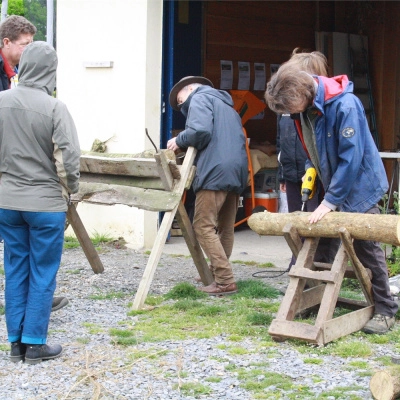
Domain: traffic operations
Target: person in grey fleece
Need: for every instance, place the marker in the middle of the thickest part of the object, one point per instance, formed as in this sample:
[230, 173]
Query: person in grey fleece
[39, 166]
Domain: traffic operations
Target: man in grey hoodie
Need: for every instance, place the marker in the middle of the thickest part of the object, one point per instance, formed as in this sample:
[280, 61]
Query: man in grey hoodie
[214, 128]
[16, 32]
[39, 166]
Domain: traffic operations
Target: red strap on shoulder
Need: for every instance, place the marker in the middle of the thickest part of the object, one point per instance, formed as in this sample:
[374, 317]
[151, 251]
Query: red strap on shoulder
[297, 123]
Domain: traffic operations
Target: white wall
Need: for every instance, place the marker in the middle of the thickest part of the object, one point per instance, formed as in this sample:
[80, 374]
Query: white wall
[118, 102]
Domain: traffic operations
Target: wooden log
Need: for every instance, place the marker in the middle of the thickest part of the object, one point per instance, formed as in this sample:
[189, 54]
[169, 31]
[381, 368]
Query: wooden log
[145, 199]
[145, 167]
[383, 228]
[385, 384]
[140, 182]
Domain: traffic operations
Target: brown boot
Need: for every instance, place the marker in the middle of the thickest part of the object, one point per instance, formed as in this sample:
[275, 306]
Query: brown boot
[217, 289]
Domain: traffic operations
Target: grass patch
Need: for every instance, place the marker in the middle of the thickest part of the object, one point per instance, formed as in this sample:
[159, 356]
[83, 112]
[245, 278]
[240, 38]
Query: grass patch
[255, 290]
[257, 380]
[123, 337]
[73, 271]
[257, 318]
[238, 351]
[213, 379]
[71, 242]
[2, 310]
[184, 290]
[316, 361]
[352, 349]
[101, 238]
[341, 392]
[2, 271]
[154, 300]
[194, 389]
[82, 340]
[110, 296]
[359, 364]
[193, 314]
[93, 329]
[4, 347]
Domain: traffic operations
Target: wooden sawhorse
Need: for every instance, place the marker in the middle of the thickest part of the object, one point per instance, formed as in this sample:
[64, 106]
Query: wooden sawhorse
[153, 184]
[325, 279]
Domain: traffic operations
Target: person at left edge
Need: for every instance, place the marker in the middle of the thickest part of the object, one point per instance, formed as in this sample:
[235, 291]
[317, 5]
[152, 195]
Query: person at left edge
[16, 32]
[39, 165]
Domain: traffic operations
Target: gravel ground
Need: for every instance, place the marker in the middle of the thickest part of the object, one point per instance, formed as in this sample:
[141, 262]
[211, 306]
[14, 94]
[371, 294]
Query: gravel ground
[91, 367]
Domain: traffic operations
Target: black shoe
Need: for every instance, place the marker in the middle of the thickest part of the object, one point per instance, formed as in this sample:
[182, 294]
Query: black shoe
[58, 302]
[35, 353]
[18, 351]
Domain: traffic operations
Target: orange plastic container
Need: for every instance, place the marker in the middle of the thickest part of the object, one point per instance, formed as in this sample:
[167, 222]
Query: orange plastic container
[268, 200]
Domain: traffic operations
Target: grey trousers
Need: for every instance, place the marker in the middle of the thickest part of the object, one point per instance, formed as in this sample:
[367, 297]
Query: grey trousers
[213, 223]
[372, 256]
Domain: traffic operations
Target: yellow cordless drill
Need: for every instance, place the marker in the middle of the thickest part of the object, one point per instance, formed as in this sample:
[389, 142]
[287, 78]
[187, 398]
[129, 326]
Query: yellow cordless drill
[308, 186]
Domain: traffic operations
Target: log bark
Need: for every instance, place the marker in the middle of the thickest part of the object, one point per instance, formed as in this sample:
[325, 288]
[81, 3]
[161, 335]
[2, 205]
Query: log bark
[381, 228]
[385, 384]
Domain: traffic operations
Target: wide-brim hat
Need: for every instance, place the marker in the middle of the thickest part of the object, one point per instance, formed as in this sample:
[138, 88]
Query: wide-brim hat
[187, 80]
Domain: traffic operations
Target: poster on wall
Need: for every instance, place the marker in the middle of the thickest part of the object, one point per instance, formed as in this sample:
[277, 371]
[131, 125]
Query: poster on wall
[226, 74]
[259, 76]
[244, 75]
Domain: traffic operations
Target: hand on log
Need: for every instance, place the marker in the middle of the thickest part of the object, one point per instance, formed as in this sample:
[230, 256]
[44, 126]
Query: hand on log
[383, 228]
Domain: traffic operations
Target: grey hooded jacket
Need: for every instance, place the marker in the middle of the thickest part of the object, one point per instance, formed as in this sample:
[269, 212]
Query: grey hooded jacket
[39, 147]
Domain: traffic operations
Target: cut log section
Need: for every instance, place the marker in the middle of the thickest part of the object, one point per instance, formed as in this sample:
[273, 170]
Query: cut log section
[385, 384]
[381, 228]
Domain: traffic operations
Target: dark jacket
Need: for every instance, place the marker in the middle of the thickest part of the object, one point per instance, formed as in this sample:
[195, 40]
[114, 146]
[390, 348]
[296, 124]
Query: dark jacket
[352, 171]
[291, 155]
[4, 82]
[214, 128]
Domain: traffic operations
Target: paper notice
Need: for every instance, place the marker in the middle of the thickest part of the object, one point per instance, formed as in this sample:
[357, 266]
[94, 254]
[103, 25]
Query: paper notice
[226, 74]
[259, 76]
[244, 75]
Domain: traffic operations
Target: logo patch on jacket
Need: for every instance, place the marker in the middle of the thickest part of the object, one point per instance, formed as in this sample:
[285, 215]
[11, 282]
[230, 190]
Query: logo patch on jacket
[348, 132]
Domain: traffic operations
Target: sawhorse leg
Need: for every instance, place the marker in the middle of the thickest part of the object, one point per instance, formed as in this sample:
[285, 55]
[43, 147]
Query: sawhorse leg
[156, 252]
[84, 240]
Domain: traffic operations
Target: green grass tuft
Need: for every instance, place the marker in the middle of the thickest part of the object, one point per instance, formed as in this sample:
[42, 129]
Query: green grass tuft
[258, 318]
[184, 290]
[195, 389]
[256, 290]
[71, 242]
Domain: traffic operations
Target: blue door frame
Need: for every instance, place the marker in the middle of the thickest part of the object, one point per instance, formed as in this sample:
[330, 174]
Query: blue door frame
[182, 56]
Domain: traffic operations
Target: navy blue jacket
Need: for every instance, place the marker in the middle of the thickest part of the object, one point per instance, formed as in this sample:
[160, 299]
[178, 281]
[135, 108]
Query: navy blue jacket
[214, 128]
[291, 155]
[352, 171]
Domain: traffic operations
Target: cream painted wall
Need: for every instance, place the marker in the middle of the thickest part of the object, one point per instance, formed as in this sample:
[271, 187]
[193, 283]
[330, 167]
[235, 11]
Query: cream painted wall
[118, 102]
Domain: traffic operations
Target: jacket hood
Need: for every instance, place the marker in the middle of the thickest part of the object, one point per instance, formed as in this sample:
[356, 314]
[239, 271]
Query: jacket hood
[330, 88]
[220, 94]
[38, 66]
